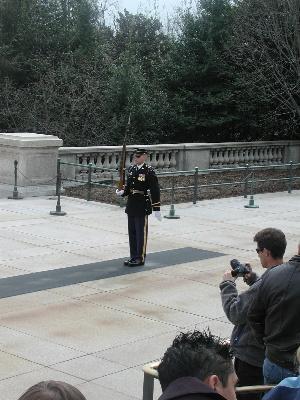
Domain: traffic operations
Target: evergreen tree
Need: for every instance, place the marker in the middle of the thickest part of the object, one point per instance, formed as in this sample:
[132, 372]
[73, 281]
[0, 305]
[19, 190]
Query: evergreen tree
[198, 79]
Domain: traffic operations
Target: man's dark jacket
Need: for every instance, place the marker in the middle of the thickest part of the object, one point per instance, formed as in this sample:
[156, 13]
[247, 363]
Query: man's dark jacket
[274, 314]
[189, 388]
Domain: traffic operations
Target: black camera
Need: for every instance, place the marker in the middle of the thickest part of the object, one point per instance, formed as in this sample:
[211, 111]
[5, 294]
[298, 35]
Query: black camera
[238, 269]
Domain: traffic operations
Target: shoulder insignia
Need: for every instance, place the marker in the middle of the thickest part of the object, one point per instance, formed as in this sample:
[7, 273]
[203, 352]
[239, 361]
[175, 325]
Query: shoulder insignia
[150, 169]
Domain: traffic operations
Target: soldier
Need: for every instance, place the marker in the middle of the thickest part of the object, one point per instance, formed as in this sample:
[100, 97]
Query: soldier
[141, 178]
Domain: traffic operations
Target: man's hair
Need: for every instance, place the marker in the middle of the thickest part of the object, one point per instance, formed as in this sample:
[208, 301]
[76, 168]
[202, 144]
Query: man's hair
[197, 354]
[52, 390]
[273, 240]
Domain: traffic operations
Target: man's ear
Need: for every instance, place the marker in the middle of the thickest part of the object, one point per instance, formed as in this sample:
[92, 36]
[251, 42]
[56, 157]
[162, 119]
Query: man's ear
[212, 381]
[268, 253]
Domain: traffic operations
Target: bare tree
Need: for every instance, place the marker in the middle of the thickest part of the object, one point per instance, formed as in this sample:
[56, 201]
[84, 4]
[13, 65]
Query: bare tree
[107, 8]
[266, 48]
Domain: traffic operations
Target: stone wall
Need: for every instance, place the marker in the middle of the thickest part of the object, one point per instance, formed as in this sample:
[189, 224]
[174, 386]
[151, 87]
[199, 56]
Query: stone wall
[36, 157]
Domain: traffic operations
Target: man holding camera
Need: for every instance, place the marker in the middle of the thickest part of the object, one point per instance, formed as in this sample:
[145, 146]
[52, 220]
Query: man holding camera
[274, 314]
[248, 351]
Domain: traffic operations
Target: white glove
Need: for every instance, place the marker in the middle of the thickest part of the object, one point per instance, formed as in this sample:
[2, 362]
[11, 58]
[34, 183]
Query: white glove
[119, 192]
[157, 215]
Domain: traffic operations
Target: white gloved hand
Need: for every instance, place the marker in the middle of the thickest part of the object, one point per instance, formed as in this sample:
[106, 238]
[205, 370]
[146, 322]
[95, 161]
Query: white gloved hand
[157, 215]
[119, 192]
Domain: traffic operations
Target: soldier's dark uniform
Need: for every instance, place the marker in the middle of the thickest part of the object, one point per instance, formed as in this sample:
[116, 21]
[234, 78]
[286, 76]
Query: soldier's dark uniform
[139, 206]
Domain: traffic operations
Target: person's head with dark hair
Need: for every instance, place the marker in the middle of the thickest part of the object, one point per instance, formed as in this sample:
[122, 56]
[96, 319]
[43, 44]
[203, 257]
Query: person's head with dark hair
[271, 245]
[52, 390]
[200, 355]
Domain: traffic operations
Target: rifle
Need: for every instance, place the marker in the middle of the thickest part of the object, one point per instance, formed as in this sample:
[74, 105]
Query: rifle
[122, 168]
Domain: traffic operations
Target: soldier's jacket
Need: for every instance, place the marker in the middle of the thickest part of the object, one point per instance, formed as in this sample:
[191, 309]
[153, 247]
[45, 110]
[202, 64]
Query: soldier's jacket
[142, 180]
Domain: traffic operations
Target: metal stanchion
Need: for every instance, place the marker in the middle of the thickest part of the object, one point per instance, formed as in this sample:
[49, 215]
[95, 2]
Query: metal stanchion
[290, 177]
[58, 191]
[246, 182]
[251, 203]
[172, 214]
[89, 181]
[196, 185]
[16, 195]
[57, 173]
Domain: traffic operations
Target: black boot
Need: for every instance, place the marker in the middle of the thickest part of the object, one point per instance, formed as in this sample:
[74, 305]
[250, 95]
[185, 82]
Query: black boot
[135, 263]
[126, 262]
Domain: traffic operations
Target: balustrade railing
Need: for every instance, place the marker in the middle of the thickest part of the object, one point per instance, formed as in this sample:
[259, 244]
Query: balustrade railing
[251, 154]
[107, 158]
[172, 157]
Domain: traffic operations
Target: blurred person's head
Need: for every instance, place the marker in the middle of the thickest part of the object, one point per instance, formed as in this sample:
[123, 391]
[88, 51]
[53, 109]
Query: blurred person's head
[271, 245]
[203, 356]
[52, 390]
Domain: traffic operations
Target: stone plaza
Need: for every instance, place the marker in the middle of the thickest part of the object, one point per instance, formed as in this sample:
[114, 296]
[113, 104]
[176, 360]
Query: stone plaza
[71, 311]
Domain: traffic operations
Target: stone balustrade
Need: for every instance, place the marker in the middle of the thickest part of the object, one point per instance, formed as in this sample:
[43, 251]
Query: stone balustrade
[37, 154]
[161, 157]
[247, 154]
[184, 156]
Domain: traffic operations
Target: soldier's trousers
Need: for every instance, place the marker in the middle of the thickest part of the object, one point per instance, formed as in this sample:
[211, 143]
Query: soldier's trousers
[138, 234]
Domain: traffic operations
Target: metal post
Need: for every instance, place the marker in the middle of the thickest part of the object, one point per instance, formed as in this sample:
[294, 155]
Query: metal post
[290, 177]
[57, 175]
[251, 203]
[173, 190]
[148, 387]
[246, 182]
[15, 195]
[196, 174]
[89, 181]
[58, 189]
[172, 208]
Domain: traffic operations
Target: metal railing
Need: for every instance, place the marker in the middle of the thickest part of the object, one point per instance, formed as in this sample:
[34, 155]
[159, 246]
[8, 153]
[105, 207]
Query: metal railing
[89, 183]
[247, 183]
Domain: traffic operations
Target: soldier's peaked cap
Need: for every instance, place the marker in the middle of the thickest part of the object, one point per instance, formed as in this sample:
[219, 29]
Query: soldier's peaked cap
[140, 151]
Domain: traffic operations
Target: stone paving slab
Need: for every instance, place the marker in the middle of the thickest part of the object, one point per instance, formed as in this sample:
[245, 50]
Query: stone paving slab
[88, 367]
[82, 325]
[34, 349]
[11, 365]
[94, 391]
[139, 352]
[129, 380]
[97, 334]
